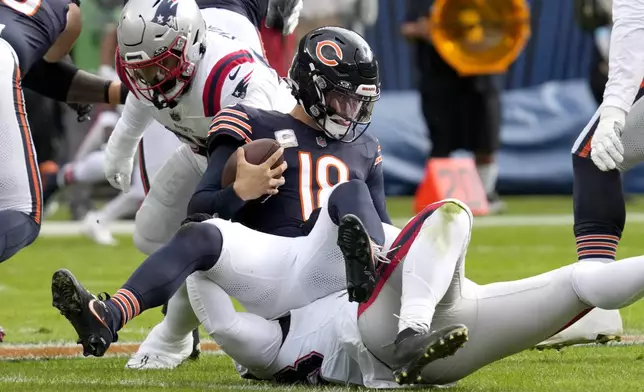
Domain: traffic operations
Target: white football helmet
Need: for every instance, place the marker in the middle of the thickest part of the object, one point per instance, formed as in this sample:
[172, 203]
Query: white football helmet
[160, 43]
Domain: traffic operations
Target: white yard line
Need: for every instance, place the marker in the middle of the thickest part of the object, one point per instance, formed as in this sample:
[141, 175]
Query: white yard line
[70, 228]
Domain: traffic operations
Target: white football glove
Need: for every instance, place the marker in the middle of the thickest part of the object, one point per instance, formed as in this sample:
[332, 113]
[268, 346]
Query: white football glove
[606, 146]
[283, 15]
[118, 168]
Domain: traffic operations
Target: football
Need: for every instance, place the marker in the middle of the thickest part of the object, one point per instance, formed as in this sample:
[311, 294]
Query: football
[256, 152]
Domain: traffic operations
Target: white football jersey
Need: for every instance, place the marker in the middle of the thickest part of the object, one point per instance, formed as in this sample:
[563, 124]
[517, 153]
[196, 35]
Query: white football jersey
[229, 73]
[324, 345]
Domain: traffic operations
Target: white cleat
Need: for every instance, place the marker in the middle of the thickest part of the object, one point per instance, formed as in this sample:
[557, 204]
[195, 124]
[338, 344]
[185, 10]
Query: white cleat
[97, 232]
[159, 353]
[598, 326]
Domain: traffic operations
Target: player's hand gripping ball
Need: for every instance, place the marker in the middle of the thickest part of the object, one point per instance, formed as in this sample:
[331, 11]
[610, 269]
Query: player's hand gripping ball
[255, 169]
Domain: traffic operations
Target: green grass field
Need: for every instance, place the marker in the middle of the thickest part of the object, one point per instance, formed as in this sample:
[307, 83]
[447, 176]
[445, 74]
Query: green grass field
[497, 253]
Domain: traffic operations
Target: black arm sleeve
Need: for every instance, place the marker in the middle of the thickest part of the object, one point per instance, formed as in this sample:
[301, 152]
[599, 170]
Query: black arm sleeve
[209, 197]
[376, 184]
[50, 79]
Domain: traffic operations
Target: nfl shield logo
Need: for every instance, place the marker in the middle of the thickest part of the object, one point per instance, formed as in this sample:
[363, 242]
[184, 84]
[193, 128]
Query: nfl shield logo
[175, 116]
[321, 141]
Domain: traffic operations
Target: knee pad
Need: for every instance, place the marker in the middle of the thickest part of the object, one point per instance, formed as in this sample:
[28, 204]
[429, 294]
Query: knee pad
[205, 243]
[354, 192]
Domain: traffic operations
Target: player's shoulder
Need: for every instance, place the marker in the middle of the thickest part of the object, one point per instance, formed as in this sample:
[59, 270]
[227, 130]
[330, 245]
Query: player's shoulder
[247, 122]
[369, 142]
[224, 72]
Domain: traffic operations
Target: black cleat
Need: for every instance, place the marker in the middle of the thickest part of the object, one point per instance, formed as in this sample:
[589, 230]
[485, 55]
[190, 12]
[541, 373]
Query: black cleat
[414, 350]
[355, 244]
[88, 314]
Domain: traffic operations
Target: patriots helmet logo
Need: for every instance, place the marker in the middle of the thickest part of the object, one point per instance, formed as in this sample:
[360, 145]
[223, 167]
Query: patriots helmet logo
[166, 14]
[242, 86]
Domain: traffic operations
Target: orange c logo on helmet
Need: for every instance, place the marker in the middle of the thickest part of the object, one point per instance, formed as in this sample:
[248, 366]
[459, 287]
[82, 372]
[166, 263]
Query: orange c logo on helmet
[325, 60]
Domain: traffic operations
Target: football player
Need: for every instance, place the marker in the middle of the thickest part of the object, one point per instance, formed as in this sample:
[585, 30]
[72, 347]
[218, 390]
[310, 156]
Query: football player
[226, 74]
[597, 158]
[335, 78]
[35, 35]
[385, 340]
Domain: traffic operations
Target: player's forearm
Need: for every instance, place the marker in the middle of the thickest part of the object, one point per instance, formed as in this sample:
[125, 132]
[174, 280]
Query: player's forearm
[209, 197]
[223, 202]
[129, 129]
[626, 55]
[63, 81]
[88, 88]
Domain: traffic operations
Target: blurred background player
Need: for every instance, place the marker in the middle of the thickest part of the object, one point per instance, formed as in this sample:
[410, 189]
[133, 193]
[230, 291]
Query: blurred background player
[446, 95]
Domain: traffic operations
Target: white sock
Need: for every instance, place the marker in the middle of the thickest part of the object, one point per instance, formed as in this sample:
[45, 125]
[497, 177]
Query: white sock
[122, 205]
[430, 264]
[488, 172]
[180, 319]
[610, 285]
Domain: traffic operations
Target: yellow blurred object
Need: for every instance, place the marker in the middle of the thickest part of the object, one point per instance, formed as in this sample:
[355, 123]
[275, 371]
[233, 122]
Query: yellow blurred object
[479, 37]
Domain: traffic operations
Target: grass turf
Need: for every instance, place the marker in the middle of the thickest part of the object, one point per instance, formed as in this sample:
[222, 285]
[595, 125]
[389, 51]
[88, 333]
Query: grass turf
[496, 253]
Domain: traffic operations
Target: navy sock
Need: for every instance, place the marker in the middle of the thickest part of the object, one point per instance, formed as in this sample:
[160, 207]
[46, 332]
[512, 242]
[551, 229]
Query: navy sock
[17, 230]
[353, 197]
[195, 247]
[599, 210]
[50, 186]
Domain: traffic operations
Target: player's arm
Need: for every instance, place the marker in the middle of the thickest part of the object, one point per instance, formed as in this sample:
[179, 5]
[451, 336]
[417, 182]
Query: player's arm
[376, 184]
[129, 129]
[210, 197]
[64, 82]
[229, 130]
[626, 55]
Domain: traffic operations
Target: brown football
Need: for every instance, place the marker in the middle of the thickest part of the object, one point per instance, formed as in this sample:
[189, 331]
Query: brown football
[256, 152]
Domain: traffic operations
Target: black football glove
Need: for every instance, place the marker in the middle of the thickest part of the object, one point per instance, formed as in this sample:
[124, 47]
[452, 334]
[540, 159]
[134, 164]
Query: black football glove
[198, 217]
[82, 111]
[283, 15]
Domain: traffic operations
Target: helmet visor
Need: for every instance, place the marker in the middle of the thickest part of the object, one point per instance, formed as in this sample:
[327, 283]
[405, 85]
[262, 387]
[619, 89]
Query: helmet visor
[347, 107]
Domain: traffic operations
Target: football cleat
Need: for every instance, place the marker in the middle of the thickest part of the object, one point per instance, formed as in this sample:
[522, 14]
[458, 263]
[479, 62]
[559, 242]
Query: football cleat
[598, 326]
[414, 350]
[355, 244]
[87, 313]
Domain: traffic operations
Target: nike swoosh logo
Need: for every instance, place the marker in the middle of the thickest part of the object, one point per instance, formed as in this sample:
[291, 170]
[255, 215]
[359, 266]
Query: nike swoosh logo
[232, 76]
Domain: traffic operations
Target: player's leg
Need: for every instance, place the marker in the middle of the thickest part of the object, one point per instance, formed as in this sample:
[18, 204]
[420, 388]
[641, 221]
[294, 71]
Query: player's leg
[250, 340]
[169, 343]
[85, 170]
[426, 262]
[510, 317]
[195, 247]
[96, 223]
[20, 187]
[599, 217]
[155, 148]
[319, 253]
[165, 205]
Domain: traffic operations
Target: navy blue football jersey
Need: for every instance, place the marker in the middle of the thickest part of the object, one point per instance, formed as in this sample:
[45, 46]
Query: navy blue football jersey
[254, 10]
[31, 27]
[315, 164]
